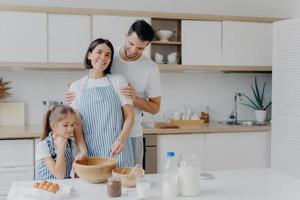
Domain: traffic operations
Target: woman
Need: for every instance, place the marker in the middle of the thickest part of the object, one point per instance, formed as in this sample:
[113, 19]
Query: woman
[102, 106]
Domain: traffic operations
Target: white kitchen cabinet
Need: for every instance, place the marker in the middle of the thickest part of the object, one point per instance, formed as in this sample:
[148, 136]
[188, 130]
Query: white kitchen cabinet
[23, 37]
[114, 28]
[201, 42]
[16, 153]
[237, 150]
[184, 144]
[218, 151]
[17, 162]
[68, 37]
[247, 43]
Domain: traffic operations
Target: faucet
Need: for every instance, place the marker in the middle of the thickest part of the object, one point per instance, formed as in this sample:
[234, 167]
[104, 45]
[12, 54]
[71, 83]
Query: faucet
[233, 114]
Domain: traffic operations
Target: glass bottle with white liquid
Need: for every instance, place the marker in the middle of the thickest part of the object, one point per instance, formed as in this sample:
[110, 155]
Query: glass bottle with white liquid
[189, 175]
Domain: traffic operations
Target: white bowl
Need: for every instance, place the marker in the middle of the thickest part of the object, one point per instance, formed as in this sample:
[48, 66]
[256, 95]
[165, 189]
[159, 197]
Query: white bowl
[158, 58]
[164, 35]
[172, 58]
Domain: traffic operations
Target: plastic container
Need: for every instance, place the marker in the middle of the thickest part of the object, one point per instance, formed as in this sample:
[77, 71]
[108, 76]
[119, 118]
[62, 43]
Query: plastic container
[170, 178]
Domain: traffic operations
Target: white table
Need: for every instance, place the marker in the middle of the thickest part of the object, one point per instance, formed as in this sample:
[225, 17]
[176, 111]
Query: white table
[252, 184]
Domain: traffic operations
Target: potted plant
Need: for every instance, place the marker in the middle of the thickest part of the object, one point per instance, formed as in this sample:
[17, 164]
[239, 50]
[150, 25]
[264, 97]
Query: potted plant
[258, 103]
[4, 89]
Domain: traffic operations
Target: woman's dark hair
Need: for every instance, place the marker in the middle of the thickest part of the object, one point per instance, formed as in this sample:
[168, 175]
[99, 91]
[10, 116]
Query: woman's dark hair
[87, 63]
[54, 115]
[143, 30]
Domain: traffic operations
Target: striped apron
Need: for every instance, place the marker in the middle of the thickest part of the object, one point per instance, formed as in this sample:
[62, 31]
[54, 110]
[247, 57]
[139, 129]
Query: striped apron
[43, 172]
[102, 115]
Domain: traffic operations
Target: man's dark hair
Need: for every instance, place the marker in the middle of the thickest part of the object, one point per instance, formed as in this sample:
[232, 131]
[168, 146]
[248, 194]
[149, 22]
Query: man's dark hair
[143, 30]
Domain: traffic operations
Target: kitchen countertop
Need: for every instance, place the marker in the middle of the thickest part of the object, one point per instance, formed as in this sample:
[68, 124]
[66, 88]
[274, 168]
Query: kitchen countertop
[34, 131]
[20, 132]
[212, 127]
[246, 184]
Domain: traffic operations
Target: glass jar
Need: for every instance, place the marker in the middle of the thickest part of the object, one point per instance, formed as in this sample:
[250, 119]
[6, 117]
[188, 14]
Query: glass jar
[114, 188]
[189, 175]
[205, 113]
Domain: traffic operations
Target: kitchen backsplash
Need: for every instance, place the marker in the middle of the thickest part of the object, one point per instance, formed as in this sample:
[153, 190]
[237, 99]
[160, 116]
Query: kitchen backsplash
[195, 89]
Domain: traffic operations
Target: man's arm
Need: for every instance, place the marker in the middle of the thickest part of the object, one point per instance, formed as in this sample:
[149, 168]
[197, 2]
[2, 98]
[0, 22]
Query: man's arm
[150, 105]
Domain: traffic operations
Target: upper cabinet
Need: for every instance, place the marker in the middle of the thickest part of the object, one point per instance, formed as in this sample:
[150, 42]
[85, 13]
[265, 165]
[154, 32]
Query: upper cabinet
[69, 37]
[59, 38]
[201, 42]
[247, 43]
[23, 37]
[114, 28]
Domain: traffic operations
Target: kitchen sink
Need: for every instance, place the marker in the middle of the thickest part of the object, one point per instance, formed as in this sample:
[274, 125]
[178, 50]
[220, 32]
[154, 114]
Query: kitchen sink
[242, 123]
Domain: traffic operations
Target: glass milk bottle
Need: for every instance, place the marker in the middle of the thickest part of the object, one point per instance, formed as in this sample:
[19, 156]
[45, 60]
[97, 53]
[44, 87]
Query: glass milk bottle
[189, 175]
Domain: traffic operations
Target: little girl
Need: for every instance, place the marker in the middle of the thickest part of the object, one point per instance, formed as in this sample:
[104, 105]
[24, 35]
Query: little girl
[55, 151]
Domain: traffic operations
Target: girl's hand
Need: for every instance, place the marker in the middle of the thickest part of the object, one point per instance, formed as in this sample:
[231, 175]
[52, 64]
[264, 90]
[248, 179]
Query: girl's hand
[117, 147]
[60, 142]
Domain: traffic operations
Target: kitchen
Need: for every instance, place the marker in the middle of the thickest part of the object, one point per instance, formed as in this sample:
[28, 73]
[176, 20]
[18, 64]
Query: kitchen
[210, 87]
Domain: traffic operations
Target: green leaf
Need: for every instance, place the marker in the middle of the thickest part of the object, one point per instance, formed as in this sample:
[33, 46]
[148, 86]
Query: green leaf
[256, 97]
[267, 106]
[249, 106]
[254, 104]
[262, 94]
[257, 90]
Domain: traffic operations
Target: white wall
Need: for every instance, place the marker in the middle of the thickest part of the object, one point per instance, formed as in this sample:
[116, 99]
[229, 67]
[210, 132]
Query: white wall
[269, 8]
[195, 89]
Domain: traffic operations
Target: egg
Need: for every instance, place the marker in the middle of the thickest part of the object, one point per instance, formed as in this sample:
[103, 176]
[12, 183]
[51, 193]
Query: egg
[45, 187]
[52, 188]
[56, 186]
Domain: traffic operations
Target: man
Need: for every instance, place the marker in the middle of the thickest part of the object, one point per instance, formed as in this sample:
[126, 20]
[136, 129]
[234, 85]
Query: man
[143, 77]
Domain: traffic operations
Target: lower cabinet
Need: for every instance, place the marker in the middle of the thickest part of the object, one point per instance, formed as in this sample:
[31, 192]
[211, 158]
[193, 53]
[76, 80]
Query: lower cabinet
[238, 150]
[219, 151]
[17, 163]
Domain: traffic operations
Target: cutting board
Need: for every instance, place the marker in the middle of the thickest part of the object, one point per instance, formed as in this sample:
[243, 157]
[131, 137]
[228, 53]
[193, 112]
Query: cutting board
[12, 114]
[188, 122]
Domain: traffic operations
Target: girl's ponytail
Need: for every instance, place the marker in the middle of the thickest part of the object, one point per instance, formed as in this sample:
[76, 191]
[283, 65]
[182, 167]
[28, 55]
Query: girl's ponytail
[46, 125]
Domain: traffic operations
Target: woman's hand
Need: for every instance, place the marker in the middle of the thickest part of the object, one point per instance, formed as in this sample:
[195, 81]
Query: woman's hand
[117, 147]
[81, 156]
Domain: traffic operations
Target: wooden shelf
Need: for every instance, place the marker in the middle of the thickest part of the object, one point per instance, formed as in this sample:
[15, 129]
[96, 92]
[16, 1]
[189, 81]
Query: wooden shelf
[164, 68]
[214, 68]
[165, 43]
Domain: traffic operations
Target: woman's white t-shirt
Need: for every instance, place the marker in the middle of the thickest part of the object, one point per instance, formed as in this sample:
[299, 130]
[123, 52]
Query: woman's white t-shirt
[116, 80]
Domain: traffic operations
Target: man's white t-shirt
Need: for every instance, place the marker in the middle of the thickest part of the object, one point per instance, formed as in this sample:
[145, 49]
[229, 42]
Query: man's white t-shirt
[143, 74]
[116, 80]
